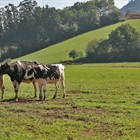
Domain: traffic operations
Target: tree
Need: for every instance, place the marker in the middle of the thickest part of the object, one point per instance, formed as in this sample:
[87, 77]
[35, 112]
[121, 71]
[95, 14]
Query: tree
[97, 50]
[30, 27]
[125, 42]
[122, 45]
[73, 54]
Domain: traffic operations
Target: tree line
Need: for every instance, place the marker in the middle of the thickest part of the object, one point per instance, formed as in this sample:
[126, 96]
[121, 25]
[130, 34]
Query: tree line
[28, 27]
[123, 45]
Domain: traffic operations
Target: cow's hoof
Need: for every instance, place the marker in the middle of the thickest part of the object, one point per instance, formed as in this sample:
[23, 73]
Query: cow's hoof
[40, 98]
[35, 96]
[44, 98]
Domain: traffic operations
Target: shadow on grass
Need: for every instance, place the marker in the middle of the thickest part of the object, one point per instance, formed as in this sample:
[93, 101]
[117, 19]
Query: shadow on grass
[138, 102]
[27, 100]
[7, 100]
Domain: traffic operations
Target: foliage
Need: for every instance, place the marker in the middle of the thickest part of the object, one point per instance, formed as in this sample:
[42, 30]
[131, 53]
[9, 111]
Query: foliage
[123, 44]
[30, 28]
[96, 50]
[79, 43]
[59, 52]
[74, 54]
[103, 103]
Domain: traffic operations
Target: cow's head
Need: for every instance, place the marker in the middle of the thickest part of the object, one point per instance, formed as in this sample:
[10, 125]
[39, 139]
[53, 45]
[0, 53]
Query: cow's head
[4, 67]
[29, 74]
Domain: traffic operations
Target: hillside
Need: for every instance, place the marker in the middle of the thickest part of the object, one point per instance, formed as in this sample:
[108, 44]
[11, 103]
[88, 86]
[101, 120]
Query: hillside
[132, 6]
[28, 28]
[59, 52]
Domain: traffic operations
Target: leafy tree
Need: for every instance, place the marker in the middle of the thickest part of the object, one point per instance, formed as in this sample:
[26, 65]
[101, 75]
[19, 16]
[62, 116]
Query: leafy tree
[80, 54]
[91, 49]
[125, 42]
[29, 27]
[97, 50]
[73, 54]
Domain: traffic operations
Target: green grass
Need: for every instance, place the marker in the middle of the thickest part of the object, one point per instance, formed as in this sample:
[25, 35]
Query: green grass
[59, 52]
[102, 102]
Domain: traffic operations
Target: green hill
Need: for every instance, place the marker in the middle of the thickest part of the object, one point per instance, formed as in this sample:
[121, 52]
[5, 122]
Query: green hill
[59, 52]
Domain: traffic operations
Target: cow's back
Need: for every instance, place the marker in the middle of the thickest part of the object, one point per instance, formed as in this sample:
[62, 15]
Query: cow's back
[53, 72]
[17, 70]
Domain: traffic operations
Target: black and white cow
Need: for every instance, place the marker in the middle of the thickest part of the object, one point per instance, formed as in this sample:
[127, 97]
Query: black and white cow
[16, 71]
[47, 74]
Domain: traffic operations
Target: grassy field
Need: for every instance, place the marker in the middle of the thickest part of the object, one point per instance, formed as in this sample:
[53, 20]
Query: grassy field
[102, 103]
[59, 52]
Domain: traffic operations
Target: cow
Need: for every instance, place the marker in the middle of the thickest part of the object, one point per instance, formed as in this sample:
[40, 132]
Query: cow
[16, 72]
[47, 74]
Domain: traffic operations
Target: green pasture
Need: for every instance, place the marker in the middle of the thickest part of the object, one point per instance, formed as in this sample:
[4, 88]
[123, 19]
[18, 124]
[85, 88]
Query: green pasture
[59, 52]
[102, 103]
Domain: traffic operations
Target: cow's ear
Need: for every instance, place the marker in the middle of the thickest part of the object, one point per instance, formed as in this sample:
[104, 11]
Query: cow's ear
[5, 64]
[36, 62]
[7, 61]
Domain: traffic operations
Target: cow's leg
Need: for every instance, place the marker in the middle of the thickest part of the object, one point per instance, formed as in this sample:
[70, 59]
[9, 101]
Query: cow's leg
[2, 91]
[16, 87]
[63, 87]
[2, 85]
[40, 94]
[56, 89]
[44, 89]
[35, 88]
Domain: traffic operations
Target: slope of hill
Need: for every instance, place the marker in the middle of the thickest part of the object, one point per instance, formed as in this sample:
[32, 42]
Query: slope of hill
[132, 6]
[59, 52]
